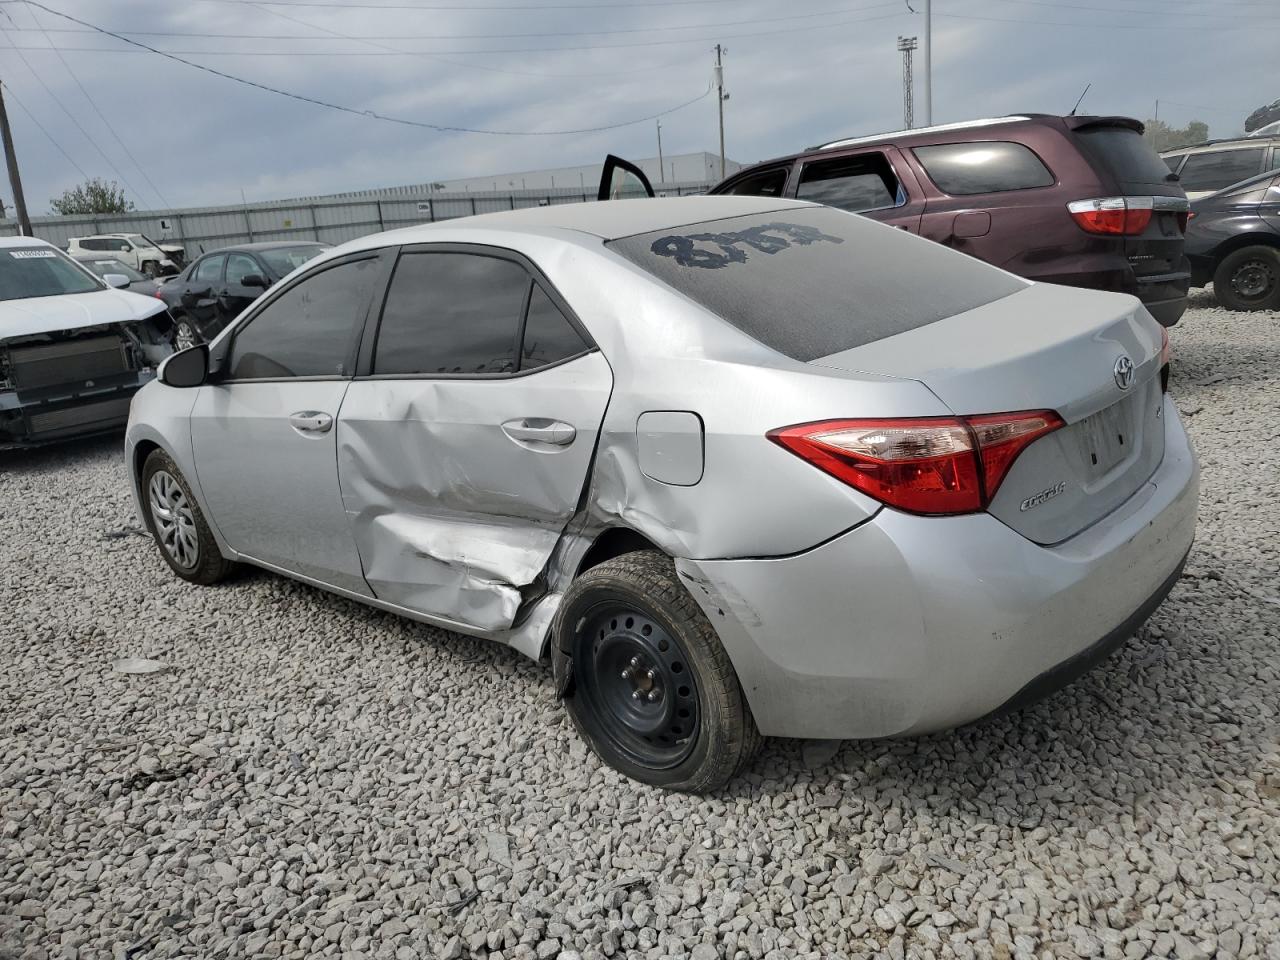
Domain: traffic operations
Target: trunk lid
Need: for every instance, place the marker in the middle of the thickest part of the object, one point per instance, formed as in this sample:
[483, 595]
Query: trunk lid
[1045, 348]
[1130, 167]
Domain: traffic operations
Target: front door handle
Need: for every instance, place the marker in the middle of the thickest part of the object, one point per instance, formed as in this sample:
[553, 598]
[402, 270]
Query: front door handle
[310, 421]
[540, 430]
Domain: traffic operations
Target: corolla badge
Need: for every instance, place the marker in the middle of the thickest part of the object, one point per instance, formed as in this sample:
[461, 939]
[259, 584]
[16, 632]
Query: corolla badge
[1124, 372]
[1056, 490]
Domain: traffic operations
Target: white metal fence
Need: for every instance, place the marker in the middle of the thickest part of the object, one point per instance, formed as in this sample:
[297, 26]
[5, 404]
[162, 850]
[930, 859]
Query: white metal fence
[332, 220]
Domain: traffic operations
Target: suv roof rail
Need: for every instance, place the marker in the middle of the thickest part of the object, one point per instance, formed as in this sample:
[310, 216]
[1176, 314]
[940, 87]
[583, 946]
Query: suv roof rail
[1244, 141]
[937, 128]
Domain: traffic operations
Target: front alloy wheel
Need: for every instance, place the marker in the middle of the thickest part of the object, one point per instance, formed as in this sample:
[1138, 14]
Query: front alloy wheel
[184, 335]
[175, 525]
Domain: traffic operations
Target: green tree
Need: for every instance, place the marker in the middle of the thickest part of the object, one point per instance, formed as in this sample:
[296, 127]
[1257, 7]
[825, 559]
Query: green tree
[1161, 136]
[92, 196]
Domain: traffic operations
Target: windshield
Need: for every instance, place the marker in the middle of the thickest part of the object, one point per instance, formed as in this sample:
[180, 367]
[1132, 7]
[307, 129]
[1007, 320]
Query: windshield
[103, 267]
[810, 282]
[41, 272]
[282, 260]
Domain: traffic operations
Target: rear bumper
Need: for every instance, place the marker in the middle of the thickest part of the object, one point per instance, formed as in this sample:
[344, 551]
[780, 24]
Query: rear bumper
[910, 624]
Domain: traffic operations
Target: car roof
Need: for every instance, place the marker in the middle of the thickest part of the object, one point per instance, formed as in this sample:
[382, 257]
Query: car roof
[609, 220]
[264, 245]
[923, 131]
[24, 242]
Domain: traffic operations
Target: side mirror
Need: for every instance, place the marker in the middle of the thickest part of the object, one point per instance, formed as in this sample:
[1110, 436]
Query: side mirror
[116, 280]
[186, 368]
[253, 280]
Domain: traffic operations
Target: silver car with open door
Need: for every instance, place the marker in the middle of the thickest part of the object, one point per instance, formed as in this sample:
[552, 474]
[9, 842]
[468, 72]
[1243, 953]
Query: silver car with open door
[736, 466]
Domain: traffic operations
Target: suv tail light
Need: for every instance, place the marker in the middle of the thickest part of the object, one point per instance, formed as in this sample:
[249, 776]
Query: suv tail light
[1118, 216]
[926, 465]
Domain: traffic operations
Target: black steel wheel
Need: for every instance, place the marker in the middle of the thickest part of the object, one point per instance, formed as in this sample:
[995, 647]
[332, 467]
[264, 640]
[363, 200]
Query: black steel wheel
[638, 684]
[649, 685]
[1249, 279]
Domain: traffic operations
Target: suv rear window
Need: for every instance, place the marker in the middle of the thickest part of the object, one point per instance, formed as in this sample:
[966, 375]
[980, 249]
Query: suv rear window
[1121, 152]
[961, 169]
[812, 282]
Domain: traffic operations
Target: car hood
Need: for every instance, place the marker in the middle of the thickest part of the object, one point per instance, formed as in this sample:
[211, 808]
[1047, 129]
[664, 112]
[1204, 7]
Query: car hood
[21, 318]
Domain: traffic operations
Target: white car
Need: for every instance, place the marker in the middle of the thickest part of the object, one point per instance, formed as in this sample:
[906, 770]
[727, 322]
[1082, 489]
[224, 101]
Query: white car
[133, 249]
[73, 348]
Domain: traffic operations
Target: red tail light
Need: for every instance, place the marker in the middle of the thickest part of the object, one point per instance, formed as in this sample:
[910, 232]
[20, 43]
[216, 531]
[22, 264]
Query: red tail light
[1118, 216]
[1183, 219]
[928, 465]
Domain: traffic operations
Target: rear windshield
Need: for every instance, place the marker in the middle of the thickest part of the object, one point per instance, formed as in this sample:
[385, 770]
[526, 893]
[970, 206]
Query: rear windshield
[1122, 153]
[41, 272]
[810, 282]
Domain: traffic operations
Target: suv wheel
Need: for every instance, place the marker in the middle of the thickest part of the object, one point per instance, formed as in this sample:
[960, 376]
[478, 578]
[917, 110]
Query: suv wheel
[1249, 279]
[652, 689]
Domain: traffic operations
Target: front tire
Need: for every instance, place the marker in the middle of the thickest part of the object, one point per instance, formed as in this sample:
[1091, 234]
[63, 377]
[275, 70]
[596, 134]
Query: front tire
[184, 334]
[1249, 279]
[179, 527]
[151, 269]
[652, 691]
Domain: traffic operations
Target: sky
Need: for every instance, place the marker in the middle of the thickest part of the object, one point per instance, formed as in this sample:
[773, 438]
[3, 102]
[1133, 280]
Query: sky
[798, 74]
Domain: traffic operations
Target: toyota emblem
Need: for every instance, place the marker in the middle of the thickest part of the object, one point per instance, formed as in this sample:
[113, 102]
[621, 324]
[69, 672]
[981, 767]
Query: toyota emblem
[1124, 372]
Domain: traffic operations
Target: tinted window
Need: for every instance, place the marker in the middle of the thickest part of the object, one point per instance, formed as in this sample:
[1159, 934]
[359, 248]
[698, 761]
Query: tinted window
[865, 182]
[961, 169]
[1173, 161]
[1122, 153]
[451, 313]
[813, 282]
[208, 270]
[766, 183]
[282, 260]
[1220, 168]
[548, 336]
[309, 330]
[239, 266]
[118, 244]
[40, 272]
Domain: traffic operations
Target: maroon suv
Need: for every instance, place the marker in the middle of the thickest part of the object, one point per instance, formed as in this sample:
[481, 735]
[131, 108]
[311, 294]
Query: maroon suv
[1076, 200]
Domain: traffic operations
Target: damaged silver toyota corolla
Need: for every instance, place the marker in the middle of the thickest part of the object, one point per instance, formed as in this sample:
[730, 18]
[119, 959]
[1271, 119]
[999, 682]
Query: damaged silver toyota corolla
[72, 349]
[736, 466]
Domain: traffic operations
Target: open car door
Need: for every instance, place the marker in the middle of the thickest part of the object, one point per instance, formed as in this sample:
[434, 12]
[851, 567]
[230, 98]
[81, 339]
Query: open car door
[622, 180]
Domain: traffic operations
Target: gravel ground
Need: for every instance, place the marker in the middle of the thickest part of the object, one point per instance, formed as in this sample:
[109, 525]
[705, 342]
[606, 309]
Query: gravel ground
[313, 778]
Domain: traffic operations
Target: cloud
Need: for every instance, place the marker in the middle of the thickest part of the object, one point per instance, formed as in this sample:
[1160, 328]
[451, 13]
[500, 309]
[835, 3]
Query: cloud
[831, 71]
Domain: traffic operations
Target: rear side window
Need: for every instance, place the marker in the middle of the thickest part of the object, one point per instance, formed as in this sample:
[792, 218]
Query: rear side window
[961, 169]
[1216, 169]
[1173, 161]
[766, 183]
[451, 313]
[812, 282]
[209, 270]
[548, 335]
[310, 329]
[1122, 153]
[857, 184]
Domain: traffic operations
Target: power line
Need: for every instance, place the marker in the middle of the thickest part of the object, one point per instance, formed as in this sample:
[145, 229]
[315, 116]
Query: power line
[71, 117]
[263, 4]
[31, 116]
[371, 114]
[1149, 12]
[175, 54]
[96, 109]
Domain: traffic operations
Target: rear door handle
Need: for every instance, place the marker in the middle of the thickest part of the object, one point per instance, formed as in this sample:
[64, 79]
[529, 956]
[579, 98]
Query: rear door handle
[540, 430]
[310, 421]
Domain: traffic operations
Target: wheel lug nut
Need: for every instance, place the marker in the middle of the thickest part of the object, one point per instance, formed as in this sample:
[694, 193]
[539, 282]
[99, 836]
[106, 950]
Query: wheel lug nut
[652, 674]
[635, 662]
[635, 694]
[653, 696]
[626, 674]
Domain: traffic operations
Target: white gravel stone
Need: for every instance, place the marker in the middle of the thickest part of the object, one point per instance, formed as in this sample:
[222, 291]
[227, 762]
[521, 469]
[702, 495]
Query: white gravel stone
[311, 778]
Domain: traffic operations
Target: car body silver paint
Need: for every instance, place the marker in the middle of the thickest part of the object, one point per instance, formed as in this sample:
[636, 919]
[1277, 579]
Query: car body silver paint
[757, 507]
[451, 515]
[911, 624]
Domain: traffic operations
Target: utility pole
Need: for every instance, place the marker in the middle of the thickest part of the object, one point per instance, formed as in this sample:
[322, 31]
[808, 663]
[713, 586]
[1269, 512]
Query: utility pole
[928, 63]
[662, 171]
[907, 45]
[721, 97]
[15, 181]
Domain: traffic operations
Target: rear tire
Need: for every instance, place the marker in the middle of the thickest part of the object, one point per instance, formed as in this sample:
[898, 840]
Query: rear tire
[184, 334]
[177, 523]
[1249, 279]
[653, 692]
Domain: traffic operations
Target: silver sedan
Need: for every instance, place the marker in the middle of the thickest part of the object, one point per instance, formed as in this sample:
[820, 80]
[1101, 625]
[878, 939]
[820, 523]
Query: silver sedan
[737, 467]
